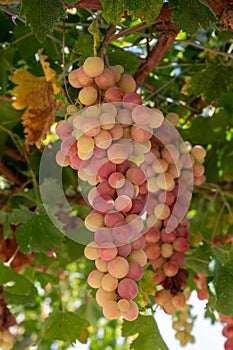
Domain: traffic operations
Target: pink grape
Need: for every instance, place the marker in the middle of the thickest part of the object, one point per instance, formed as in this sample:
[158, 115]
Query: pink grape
[152, 251]
[135, 271]
[140, 134]
[105, 80]
[93, 66]
[103, 139]
[123, 305]
[91, 251]
[128, 188]
[117, 153]
[152, 235]
[94, 220]
[108, 251]
[136, 175]
[116, 132]
[124, 250]
[109, 283]
[103, 203]
[103, 188]
[94, 278]
[114, 94]
[166, 250]
[102, 296]
[127, 83]
[88, 95]
[132, 313]
[163, 297]
[138, 256]
[170, 268]
[106, 170]
[116, 72]
[123, 203]
[62, 159]
[68, 146]
[127, 288]
[101, 265]
[132, 98]
[122, 233]
[113, 218]
[110, 310]
[124, 117]
[116, 180]
[90, 126]
[181, 244]
[63, 129]
[118, 267]
[103, 234]
[141, 115]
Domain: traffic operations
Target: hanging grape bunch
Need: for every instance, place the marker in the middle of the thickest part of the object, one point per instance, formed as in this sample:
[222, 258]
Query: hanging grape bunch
[139, 175]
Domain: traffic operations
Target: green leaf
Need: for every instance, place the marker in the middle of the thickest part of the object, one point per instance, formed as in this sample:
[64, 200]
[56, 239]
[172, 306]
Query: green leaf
[83, 46]
[215, 81]
[193, 17]
[113, 10]
[45, 278]
[198, 260]
[223, 283]
[214, 127]
[126, 59]
[42, 15]
[9, 117]
[38, 234]
[6, 63]
[148, 333]
[66, 326]
[20, 215]
[18, 289]
[4, 220]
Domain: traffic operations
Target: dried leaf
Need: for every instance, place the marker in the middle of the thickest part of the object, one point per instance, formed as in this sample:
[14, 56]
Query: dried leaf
[37, 95]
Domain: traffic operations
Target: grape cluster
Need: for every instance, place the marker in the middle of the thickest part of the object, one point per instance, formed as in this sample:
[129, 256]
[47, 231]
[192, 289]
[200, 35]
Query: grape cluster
[182, 322]
[117, 195]
[202, 289]
[137, 175]
[103, 84]
[227, 331]
[6, 320]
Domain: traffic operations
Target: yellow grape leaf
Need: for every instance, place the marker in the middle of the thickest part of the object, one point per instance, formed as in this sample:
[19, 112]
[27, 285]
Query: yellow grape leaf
[50, 74]
[37, 95]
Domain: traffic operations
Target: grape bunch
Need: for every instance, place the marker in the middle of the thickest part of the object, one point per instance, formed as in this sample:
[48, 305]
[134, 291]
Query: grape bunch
[182, 322]
[7, 320]
[137, 175]
[103, 84]
[227, 331]
[200, 280]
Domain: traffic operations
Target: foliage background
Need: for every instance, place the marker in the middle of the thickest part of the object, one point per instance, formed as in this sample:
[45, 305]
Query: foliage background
[182, 59]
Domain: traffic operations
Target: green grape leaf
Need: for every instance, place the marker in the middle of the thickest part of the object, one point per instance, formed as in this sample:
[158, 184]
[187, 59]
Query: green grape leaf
[223, 282]
[214, 129]
[45, 278]
[198, 259]
[6, 63]
[83, 46]
[215, 81]
[38, 234]
[113, 10]
[42, 16]
[66, 326]
[4, 220]
[18, 289]
[20, 215]
[128, 60]
[148, 333]
[193, 17]
[9, 117]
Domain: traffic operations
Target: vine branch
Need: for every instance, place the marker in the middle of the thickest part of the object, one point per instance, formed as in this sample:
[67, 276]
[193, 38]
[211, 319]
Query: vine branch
[165, 41]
